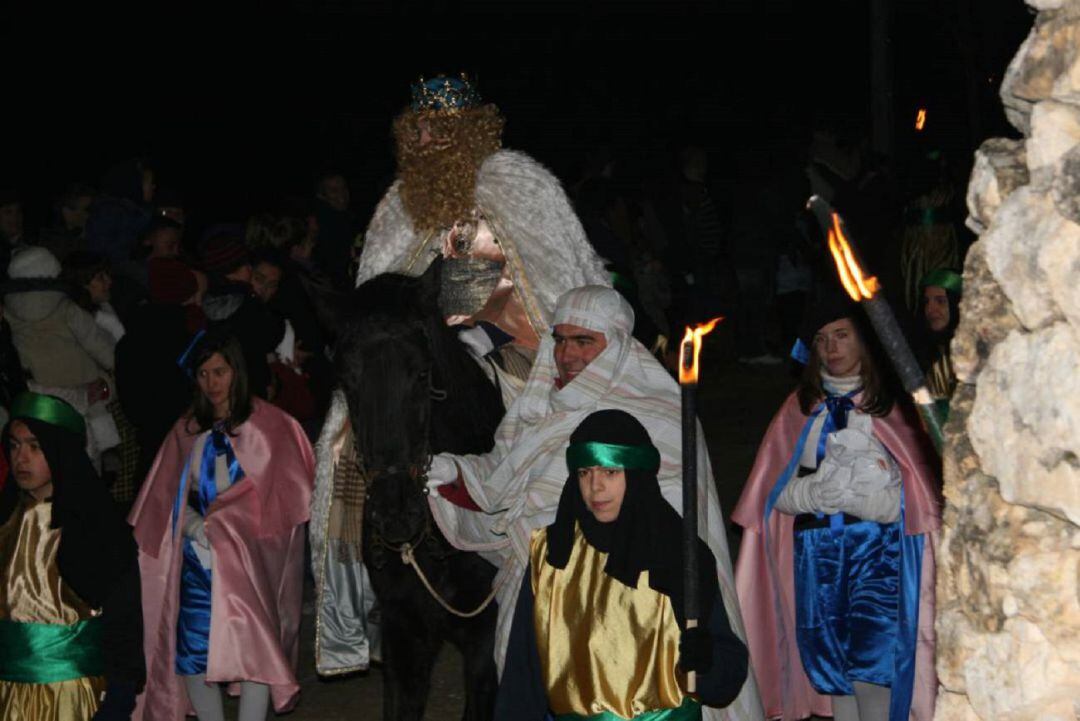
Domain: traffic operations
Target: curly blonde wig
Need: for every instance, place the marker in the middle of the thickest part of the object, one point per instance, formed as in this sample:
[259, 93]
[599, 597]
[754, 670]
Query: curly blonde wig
[438, 178]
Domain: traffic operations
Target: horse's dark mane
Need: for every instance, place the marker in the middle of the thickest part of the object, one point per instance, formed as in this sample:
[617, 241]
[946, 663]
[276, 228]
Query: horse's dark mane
[395, 337]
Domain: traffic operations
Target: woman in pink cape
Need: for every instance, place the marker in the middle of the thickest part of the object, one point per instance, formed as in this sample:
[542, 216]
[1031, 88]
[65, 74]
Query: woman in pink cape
[835, 573]
[220, 527]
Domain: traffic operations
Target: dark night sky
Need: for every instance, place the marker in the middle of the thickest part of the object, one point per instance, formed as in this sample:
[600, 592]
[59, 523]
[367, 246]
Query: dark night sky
[239, 109]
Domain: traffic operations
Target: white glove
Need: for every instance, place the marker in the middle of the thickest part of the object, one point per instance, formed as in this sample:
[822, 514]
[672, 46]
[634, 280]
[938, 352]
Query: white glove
[859, 464]
[443, 470]
[809, 495]
[477, 341]
[194, 528]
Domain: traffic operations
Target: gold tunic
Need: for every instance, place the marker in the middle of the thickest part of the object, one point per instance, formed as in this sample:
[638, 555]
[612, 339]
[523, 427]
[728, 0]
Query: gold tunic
[603, 646]
[31, 591]
[941, 379]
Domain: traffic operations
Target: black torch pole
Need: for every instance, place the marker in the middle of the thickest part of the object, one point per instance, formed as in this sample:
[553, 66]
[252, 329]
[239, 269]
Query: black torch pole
[690, 498]
[892, 339]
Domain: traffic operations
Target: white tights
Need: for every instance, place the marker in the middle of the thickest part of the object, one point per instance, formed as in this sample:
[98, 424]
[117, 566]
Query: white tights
[870, 703]
[254, 699]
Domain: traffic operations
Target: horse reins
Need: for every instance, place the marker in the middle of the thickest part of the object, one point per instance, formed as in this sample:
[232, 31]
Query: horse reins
[405, 551]
[409, 559]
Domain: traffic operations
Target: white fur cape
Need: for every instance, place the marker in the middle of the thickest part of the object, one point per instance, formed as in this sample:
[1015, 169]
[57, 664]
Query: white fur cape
[545, 246]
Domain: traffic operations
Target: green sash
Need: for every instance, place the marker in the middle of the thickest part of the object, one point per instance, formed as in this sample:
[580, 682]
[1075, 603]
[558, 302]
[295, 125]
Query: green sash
[689, 711]
[46, 652]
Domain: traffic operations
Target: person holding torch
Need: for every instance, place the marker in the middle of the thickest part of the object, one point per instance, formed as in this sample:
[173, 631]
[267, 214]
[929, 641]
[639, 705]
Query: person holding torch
[590, 362]
[835, 573]
[598, 631]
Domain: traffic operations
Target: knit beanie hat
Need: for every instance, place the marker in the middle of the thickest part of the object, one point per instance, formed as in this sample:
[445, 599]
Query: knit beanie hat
[34, 262]
[222, 254]
[170, 281]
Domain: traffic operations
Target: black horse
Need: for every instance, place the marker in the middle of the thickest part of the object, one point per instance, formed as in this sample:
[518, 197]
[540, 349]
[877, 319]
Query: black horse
[414, 391]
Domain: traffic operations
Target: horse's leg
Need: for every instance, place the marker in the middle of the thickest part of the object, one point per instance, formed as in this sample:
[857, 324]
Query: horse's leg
[481, 676]
[409, 651]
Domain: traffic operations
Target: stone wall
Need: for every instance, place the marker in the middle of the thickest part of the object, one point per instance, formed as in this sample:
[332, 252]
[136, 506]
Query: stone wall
[1008, 619]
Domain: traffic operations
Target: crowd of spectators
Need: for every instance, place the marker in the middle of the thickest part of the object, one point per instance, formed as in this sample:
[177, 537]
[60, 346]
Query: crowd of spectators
[100, 304]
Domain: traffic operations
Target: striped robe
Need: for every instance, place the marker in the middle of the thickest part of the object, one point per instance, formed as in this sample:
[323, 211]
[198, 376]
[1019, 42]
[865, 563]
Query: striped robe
[519, 482]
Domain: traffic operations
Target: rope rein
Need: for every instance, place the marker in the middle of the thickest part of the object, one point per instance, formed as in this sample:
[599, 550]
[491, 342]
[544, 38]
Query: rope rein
[406, 549]
[409, 559]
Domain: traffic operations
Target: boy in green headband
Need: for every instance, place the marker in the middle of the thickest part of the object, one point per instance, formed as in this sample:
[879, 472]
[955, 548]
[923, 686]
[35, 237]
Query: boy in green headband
[70, 611]
[598, 630]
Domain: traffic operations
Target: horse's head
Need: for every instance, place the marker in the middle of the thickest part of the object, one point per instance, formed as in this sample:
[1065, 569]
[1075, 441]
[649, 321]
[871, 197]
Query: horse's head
[395, 511]
[412, 388]
[384, 364]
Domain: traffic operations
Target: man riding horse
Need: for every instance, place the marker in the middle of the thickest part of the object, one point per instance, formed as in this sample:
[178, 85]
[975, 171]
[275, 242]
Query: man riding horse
[510, 243]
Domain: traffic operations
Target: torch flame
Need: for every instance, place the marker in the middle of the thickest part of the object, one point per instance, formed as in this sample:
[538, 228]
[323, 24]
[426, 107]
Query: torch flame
[690, 349]
[920, 119]
[851, 275]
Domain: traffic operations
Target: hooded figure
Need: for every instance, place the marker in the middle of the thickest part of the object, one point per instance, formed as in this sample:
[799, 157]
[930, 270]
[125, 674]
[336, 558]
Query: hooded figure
[59, 342]
[66, 353]
[599, 626]
[70, 609]
[518, 485]
[836, 567]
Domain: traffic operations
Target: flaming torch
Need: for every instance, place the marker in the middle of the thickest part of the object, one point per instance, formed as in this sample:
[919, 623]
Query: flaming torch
[866, 290]
[920, 120]
[689, 353]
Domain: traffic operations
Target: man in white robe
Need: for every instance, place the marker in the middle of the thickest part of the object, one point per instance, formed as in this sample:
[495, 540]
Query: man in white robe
[517, 485]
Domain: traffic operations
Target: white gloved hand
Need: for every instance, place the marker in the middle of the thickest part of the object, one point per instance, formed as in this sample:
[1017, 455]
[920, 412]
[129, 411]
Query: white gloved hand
[476, 340]
[443, 470]
[868, 473]
[194, 528]
[831, 491]
[809, 494]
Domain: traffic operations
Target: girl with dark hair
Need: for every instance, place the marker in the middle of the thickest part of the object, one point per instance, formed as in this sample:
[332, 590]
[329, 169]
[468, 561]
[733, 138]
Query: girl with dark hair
[599, 625]
[223, 398]
[220, 523]
[836, 567]
[89, 280]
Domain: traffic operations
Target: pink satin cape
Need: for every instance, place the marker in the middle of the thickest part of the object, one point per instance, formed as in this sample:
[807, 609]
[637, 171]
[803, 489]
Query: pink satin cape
[256, 535]
[769, 612]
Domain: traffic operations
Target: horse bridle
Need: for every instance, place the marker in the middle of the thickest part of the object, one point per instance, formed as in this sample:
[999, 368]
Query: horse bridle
[425, 535]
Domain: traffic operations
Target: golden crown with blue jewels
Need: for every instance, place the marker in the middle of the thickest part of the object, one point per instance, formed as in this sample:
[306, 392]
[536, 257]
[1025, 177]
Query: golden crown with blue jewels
[444, 93]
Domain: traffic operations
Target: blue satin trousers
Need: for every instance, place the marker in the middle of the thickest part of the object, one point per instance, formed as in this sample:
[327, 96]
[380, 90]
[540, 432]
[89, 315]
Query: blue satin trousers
[847, 583]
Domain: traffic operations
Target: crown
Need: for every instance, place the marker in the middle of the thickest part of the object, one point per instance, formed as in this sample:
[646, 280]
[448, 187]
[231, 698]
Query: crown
[444, 93]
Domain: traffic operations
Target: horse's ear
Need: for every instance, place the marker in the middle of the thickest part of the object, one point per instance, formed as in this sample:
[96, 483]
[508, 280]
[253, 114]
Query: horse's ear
[430, 283]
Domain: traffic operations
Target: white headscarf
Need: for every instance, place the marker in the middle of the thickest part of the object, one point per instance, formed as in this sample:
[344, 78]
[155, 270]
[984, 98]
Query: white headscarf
[519, 482]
